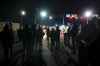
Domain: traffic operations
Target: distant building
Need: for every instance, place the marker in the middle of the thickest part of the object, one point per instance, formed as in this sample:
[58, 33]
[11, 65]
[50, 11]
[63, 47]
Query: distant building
[15, 26]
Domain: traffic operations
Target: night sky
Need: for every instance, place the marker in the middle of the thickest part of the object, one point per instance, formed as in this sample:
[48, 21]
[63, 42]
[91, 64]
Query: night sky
[13, 7]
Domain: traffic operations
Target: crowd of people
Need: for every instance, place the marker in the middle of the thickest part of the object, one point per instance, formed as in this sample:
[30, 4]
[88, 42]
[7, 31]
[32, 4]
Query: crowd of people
[32, 35]
[7, 40]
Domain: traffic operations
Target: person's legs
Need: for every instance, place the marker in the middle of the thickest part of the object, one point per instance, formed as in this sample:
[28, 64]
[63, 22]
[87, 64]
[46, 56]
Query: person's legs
[58, 44]
[65, 40]
[52, 44]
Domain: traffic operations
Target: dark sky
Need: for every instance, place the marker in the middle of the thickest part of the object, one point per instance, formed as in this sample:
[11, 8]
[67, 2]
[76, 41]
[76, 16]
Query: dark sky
[13, 7]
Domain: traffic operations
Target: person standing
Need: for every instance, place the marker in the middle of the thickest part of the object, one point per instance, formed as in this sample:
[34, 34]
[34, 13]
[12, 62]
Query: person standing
[39, 37]
[33, 36]
[66, 35]
[52, 35]
[74, 33]
[20, 33]
[27, 40]
[7, 40]
[57, 37]
[48, 35]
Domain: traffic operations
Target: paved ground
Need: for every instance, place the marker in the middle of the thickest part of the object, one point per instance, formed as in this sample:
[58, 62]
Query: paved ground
[47, 55]
[57, 57]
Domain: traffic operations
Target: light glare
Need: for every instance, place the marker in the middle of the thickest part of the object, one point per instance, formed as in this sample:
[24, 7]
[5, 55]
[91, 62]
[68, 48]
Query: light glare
[23, 13]
[88, 13]
[43, 13]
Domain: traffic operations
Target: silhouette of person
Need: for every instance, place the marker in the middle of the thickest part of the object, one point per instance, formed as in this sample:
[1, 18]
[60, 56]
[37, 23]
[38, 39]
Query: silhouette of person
[74, 33]
[7, 40]
[39, 36]
[66, 35]
[27, 40]
[33, 28]
[48, 35]
[20, 33]
[52, 35]
[57, 37]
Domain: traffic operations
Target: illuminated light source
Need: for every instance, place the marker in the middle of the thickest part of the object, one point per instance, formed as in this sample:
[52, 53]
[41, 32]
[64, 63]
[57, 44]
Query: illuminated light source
[88, 13]
[23, 12]
[43, 14]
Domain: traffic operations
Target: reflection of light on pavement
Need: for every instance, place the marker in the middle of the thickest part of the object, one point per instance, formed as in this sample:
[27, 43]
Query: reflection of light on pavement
[47, 56]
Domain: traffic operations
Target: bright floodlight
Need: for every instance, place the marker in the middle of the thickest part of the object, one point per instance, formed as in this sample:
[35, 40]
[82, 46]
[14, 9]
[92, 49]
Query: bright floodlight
[50, 17]
[43, 13]
[23, 13]
[88, 13]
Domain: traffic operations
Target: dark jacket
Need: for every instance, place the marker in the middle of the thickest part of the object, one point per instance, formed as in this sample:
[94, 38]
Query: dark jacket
[57, 35]
[7, 36]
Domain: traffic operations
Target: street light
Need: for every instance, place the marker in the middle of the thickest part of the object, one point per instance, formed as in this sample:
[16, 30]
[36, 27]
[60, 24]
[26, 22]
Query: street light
[88, 14]
[23, 13]
[43, 14]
